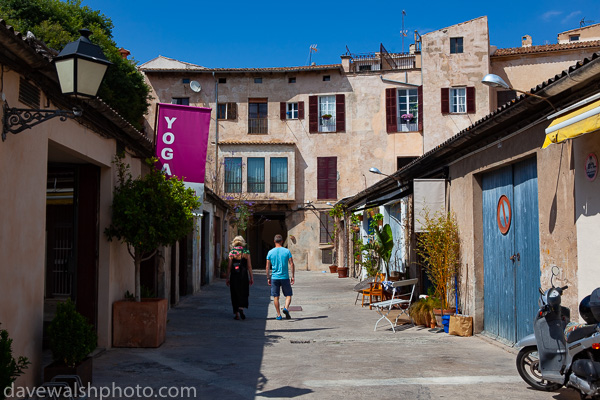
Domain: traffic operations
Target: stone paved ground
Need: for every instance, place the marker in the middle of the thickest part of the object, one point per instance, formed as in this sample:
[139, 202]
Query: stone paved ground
[327, 351]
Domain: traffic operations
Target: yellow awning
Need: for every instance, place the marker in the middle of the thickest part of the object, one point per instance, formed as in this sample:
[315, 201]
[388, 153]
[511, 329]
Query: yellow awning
[579, 122]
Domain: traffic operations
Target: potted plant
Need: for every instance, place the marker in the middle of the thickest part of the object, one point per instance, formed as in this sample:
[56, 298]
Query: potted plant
[439, 248]
[338, 213]
[147, 212]
[407, 117]
[326, 116]
[72, 338]
[10, 368]
[377, 220]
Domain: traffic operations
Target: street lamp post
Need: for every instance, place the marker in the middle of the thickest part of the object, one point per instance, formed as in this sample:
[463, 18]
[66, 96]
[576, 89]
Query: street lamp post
[493, 80]
[80, 67]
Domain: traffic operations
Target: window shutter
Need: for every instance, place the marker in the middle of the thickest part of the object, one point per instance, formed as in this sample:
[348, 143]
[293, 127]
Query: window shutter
[420, 105]
[300, 110]
[231, 110]
[470, 99]
[326, 178]
[391, 111]
[323, 227]
[340, 113]
[445, 101]
[313, 114]
[282, 110]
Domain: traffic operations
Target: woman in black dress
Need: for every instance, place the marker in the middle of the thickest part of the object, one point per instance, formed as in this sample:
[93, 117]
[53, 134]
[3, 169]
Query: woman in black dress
[239, 276]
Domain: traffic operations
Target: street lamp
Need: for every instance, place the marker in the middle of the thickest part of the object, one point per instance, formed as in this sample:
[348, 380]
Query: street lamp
[378, 172]
[493, 80]
[80, 67]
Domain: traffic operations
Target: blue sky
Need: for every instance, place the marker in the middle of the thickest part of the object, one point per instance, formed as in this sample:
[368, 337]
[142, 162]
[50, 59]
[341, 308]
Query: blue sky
[266, 33]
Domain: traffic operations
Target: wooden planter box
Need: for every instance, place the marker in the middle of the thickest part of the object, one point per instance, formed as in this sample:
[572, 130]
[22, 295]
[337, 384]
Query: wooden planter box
[84, 370]
[139, 324]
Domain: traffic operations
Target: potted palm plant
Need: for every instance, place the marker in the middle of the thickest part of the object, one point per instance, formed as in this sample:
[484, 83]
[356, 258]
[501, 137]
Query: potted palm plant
[147, 213]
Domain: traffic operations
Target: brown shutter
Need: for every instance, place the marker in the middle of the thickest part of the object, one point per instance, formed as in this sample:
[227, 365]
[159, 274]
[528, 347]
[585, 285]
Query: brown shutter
[231, 110]
[282, 110]
[420, 105]
[391, 111]
[340, 113]
[470, 99]
[300, 110]
[326, 178]
[332, 178]
[313, 114]
[445, 101]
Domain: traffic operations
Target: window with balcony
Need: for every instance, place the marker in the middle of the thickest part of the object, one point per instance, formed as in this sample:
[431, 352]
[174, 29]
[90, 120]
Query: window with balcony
[404, 109]
[456, 45]
[326, 178]
[227, 111]
[257, 116]
[233, 174]
[408, 110]
[279, 175]
[327, 113]
[458, 100]
[256, 175]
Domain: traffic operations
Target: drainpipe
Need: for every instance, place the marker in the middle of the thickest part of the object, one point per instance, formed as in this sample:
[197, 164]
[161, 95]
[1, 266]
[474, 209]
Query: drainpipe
[216, 126]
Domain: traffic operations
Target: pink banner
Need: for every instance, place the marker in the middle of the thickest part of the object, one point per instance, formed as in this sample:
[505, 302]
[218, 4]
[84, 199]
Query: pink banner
[181, 141]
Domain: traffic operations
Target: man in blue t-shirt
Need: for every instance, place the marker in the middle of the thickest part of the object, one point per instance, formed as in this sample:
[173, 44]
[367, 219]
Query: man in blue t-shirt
[278, 260]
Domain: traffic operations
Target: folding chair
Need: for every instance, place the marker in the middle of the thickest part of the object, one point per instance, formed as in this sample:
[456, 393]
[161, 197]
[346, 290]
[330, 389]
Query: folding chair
[383, 308]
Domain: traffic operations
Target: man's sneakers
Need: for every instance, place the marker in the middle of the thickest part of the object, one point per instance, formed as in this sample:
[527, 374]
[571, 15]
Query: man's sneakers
[287, 313]
[278, 318]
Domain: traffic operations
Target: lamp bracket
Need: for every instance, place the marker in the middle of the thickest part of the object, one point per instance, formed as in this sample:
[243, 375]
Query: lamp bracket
[16, 120]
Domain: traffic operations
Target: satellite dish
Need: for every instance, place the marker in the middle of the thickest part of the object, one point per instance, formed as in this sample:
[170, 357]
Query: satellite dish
[195, 86]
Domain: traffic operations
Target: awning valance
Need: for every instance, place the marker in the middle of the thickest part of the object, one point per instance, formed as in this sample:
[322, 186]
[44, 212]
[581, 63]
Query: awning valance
[581, 121]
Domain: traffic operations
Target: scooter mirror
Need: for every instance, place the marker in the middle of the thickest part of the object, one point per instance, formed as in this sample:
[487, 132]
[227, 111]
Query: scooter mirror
[555, 270]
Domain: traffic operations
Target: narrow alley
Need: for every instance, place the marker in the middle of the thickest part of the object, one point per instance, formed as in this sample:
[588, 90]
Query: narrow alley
[326, 351]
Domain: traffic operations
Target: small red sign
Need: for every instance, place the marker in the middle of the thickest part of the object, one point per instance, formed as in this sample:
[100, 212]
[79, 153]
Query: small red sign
[504, 214]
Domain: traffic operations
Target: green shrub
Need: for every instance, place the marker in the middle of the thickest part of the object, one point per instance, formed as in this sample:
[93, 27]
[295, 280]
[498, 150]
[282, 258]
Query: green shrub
[10, 368]
[72, 338]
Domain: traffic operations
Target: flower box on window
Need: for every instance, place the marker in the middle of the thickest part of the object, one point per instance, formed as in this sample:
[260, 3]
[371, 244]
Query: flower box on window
[326, 116]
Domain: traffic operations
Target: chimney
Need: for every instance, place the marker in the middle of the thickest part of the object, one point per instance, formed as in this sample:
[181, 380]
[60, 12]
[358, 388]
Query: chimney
[526, 40]
[124, 53]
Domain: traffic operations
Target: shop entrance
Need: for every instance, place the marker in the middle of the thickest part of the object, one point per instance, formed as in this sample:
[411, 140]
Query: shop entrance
[261, 232]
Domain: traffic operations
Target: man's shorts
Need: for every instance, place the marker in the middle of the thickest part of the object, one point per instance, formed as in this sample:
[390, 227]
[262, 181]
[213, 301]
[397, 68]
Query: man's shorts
[285, 286]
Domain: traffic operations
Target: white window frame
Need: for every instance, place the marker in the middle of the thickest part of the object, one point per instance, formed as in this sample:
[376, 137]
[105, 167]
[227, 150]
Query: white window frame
[327, 106]
[458, 100]
[407, 106]
[291, 111]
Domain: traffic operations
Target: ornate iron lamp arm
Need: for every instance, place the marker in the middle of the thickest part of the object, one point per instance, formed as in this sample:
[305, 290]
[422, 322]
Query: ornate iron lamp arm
[16, 120]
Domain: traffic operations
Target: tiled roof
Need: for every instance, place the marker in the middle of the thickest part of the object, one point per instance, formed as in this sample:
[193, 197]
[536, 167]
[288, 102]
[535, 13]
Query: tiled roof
[242, 70]
[546, 48]
[255, 142]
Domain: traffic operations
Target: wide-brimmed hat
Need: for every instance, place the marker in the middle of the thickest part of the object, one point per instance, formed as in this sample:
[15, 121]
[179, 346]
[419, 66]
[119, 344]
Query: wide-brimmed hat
[238, 241]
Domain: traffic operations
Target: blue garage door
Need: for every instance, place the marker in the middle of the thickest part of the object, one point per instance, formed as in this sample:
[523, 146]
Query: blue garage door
[511, 250]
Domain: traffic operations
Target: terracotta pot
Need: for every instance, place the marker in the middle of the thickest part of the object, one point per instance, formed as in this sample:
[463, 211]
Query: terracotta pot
[333, 269]
[360, 217]
[380, 222]
[84, 370]
[432, 324]
[342, 272]
[356, 228]
[139, 324]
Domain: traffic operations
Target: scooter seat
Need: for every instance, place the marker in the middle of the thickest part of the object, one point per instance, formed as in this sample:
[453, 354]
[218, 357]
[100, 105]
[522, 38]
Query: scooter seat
[575, 331]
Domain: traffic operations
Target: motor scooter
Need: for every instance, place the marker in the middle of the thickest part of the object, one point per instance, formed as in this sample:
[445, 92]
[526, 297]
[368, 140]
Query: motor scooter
[559, 352]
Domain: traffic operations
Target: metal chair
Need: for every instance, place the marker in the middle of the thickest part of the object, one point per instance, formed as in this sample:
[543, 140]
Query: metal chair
[383, 308]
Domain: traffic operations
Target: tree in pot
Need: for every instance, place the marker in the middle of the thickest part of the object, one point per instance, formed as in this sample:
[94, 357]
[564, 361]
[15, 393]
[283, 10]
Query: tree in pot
[10, 368]
[439, 247]
[147, 212]
[71, 339]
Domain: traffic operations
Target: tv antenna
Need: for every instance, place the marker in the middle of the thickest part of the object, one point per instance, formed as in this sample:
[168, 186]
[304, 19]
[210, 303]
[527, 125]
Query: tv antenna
[403, 32]
[583, 22]
[313, 48]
